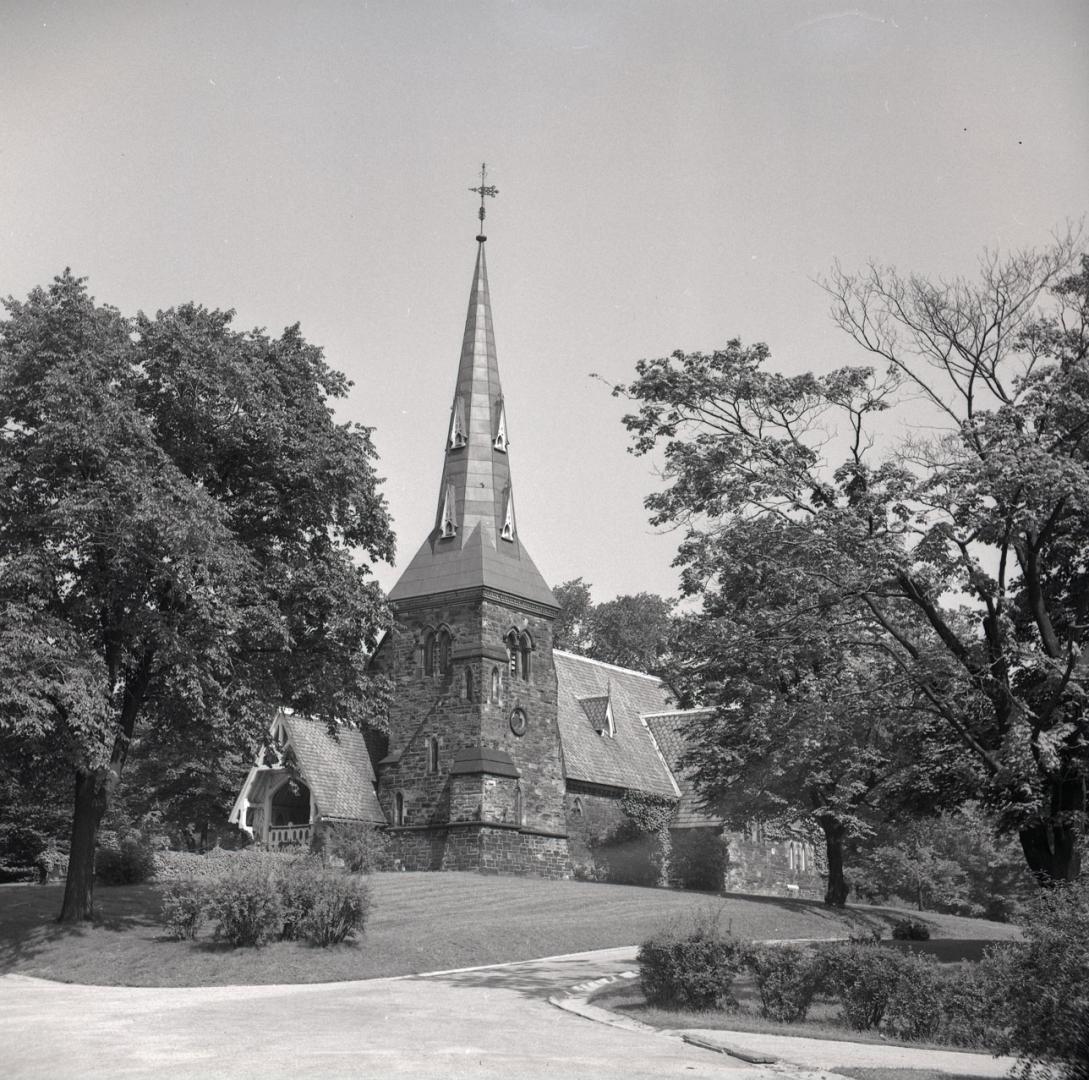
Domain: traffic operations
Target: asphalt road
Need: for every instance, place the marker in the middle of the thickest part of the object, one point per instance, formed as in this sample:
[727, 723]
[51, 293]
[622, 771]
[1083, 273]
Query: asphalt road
[494, 1022]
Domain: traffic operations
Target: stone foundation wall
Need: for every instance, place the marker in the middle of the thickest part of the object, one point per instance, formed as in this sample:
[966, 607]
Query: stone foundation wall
[487, 848]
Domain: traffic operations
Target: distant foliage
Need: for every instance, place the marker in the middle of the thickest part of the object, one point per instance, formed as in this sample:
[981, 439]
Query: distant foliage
[698, 859]
[364, 848]
[1043, 987]
[910, 930]
[694, 969]
[131, 862]
[787, 978]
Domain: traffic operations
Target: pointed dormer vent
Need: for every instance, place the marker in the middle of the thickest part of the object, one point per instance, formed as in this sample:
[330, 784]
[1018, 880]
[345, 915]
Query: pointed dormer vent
[599, 711]
[507, 532]
[449, 527]
[458, 434]
[500, 442]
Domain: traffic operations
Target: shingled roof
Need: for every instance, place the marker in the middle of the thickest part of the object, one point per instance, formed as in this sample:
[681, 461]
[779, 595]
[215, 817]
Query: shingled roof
[337, 769]
[630, 758]
[670, 733]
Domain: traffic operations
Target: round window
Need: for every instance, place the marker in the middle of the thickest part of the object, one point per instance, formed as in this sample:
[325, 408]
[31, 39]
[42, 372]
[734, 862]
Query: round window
[518, 721]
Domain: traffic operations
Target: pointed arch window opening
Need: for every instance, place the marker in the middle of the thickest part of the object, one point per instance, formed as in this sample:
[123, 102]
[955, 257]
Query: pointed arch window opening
[467, 692]
[501, 442]
[459, 434]
[432, 755]
[525, 652]
[519, 809]
[444, 664]
[448, 528]
[429, 653]
[399, 808]
[496, 696]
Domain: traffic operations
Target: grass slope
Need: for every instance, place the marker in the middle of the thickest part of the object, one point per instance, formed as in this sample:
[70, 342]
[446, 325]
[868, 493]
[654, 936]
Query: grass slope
[419, 922]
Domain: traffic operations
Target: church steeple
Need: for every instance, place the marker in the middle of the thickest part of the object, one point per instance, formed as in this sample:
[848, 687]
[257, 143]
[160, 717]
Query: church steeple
[474, 541]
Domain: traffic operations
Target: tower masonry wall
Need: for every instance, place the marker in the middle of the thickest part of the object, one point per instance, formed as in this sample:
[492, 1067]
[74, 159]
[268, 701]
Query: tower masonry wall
[466, 707]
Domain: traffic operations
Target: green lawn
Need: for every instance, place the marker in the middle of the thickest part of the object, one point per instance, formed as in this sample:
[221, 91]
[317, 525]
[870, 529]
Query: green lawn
[419, 922]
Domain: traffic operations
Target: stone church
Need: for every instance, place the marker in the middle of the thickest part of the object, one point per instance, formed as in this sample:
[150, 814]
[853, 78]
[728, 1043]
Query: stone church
[503, 754]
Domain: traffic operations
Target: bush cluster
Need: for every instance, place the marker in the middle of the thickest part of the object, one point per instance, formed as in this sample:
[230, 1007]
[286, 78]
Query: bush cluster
[693, 970]
[787, 978]
[257, 898]
[131, 862]
[910, 930]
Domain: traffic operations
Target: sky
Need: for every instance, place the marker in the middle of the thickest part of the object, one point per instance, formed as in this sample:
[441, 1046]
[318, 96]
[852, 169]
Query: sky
[671, 176]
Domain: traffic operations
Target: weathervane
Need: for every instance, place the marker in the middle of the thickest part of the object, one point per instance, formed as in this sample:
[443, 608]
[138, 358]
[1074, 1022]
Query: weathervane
[485, 189]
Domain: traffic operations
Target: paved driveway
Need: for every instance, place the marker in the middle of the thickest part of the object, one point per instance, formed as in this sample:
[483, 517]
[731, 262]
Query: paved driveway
[494, 1022]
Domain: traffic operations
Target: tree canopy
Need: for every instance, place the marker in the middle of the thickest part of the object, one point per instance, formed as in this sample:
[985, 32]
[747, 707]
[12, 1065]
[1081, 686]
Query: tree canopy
[185, 533]
[631, 631]
[954, 559]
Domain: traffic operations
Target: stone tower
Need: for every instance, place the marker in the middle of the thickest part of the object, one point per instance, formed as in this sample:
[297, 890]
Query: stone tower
[474, 775]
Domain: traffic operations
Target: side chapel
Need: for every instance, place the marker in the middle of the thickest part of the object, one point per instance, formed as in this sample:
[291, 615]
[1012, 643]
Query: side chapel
[503, 754]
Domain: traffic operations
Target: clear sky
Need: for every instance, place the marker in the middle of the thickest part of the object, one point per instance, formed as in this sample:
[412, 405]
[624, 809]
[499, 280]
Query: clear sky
[670, 175]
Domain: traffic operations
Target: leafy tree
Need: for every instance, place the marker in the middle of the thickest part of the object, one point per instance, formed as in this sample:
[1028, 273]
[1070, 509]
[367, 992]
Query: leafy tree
[631, 631]
[182, 533]
[960, 559]
[571, 630]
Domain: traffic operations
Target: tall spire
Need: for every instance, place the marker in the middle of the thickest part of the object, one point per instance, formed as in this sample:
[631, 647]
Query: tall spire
[474, 541]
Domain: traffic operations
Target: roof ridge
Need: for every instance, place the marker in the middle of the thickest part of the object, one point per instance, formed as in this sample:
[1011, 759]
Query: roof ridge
[611, 667]
[678, 712]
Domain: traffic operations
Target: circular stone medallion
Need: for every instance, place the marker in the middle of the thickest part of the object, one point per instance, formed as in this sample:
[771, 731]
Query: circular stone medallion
[518, 721]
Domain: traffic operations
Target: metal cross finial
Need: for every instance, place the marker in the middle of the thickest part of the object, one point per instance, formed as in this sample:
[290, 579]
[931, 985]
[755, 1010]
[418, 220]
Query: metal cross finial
[485, 189]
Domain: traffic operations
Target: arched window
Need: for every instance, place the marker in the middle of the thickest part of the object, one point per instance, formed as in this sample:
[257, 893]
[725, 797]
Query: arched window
[433, 755]
[444, 651]
[495, 695]
[576, 806]
[525, 647]
[518, 803]
[468, 684]
[399, 808]
[429, 653]
[512, 653]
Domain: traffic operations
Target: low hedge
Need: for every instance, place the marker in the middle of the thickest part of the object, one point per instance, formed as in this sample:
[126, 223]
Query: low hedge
[260, 897]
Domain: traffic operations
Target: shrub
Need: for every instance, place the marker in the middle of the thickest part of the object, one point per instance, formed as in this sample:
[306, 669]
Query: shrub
[787, 978]
[337, 906]
[130, 863]
[1042, 986]
[363, 847]
[968, 1009]
[184, 907]
[245, 902]
[914, 1009]
[863, 978]
[694, 971]
[910, 930]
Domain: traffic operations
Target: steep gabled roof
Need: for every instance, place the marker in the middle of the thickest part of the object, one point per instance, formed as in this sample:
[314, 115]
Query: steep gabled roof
[474, 541]
[670, 733]
[630, 759]
[337, 769]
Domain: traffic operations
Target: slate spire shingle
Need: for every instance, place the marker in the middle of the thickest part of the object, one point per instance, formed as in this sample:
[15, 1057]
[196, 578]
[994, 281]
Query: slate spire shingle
[475, 492]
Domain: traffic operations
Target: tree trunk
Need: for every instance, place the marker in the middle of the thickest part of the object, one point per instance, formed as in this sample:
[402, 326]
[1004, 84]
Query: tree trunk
[91, 800]
[835, 895]
[1051, 847]
[1051, 852]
